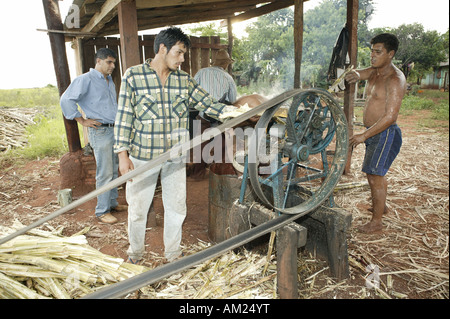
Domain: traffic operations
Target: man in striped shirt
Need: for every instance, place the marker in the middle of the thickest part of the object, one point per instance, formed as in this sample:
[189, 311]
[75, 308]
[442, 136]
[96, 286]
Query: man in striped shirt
[220, 84]
[216, 80]
[152, 117]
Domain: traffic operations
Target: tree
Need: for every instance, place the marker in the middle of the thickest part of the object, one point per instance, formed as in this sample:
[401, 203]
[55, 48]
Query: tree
[423, 49]
[268, 51]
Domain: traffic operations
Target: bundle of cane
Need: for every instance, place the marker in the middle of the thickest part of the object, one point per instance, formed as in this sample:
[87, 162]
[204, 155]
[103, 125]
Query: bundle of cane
[340, 78]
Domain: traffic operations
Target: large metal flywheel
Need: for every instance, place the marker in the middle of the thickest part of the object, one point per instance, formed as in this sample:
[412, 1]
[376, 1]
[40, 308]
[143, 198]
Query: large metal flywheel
[298, 150]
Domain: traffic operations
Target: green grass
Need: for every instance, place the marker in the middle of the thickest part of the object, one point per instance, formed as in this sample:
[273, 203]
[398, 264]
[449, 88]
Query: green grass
[44, 97]
[46, 138]
[433, 100]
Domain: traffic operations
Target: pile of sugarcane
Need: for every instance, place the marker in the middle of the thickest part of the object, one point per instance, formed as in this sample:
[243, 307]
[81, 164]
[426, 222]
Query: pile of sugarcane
[13, 122]
[45, 264]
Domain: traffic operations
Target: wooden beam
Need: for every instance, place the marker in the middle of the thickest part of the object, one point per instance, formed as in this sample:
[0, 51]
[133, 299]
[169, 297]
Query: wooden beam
[349, 93]
[129, 40]
[298, 41]
[184, 15]
[157, 17]
[61, 66]
[142, 4]
[230, 43]
[106, 14]
[286, 243]
[275, 5]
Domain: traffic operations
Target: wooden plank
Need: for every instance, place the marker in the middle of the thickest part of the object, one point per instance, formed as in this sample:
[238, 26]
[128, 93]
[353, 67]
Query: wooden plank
[214, 46]
[142, 4]
[195, 56]
[186, 65]
[129, 40]
[230, 44]
[154, 18]
[88, 56]
[253, 13]
[147, 43]
[235, 5]
[286, 245]
[205, 54]
[140, 49]
[106, 14]
[298, 41]
[149, 22]
[61, 66]
[349, 93]
[215, 40]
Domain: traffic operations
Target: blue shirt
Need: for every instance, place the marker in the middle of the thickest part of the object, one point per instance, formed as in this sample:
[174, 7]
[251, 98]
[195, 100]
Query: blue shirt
[94, 95]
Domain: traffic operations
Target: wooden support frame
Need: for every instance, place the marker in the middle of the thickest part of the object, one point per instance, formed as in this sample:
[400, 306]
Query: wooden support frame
[129, 39]
[349, 93]
[58, 46]
[298, 41]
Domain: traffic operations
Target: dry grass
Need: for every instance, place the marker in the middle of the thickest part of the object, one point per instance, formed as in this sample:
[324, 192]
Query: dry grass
[410, 256]
[412, 252]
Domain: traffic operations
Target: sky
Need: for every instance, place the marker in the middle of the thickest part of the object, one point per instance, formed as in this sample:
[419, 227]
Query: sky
[26, 58]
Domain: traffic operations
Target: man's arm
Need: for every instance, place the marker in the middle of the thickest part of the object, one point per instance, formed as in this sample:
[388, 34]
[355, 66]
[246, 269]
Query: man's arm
[125, 163]
[202, 101]
[124, 124]
[70, 99]
[359, 75]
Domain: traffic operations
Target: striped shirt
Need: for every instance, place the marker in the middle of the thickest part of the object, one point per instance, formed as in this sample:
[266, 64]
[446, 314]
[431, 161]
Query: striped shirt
[151, 118]
[217, 82]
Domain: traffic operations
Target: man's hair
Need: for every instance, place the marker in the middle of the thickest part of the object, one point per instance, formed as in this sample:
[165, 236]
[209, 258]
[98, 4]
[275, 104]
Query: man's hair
[104, 53]
[169, 37]
[389, 41]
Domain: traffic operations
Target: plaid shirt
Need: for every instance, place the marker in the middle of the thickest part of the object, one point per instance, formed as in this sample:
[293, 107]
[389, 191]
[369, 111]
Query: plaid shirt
[151, 118]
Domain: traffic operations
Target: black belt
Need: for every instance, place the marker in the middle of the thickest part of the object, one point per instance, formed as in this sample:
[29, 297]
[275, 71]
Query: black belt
[108, 125]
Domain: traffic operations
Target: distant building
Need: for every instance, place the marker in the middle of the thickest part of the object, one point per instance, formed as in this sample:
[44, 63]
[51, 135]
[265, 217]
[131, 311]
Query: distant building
[438, 79]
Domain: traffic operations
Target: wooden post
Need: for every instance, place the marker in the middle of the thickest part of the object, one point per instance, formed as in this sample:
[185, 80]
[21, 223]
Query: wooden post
[195, 56]
[230, 43]
[349, 93]
[287, 244]
[128, 28]
[58, 46]
[298, 40]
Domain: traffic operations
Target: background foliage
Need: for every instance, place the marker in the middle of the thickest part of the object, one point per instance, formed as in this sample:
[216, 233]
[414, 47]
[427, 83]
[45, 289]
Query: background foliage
[267, 53]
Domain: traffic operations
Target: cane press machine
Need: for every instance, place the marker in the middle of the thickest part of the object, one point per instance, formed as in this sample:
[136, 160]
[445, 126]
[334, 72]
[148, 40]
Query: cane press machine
[298, 149]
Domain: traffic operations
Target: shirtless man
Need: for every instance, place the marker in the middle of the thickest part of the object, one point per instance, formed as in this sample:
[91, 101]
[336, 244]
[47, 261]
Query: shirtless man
[385, 90]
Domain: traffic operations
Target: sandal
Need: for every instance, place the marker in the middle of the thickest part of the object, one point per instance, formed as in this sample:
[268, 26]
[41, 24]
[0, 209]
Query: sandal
[134, 261]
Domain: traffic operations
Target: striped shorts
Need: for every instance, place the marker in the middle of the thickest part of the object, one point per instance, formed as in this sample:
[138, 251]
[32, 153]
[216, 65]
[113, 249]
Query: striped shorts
[381, 150]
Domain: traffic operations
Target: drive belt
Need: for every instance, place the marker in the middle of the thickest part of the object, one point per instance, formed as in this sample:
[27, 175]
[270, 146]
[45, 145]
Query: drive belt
[127, 286]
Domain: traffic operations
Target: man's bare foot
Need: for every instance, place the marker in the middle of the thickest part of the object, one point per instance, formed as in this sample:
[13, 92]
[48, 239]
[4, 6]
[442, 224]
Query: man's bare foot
[371, 227]
[386, 210]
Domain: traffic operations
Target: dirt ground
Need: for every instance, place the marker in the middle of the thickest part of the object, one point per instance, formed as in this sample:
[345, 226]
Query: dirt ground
[411, 252]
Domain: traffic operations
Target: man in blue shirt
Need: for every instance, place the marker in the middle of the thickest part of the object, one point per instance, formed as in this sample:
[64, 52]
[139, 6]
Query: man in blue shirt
[94, 92]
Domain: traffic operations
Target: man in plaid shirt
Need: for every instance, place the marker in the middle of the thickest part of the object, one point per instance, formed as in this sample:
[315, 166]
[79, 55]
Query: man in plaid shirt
[152, 117]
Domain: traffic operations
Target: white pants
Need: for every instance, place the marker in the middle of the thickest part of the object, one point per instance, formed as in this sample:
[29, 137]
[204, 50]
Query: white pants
[140, 192]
